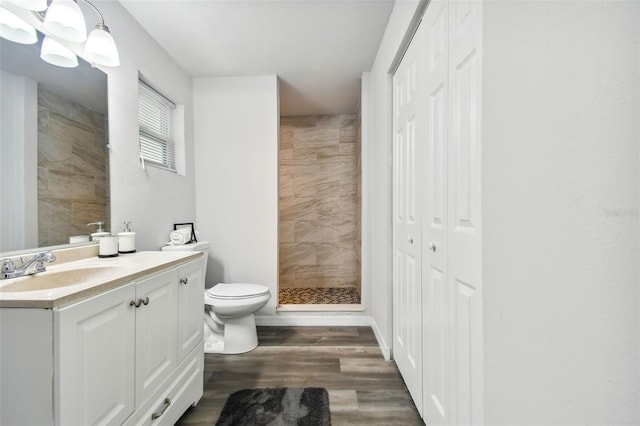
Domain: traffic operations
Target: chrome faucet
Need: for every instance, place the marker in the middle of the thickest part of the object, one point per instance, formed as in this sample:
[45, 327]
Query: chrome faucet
[30, 267]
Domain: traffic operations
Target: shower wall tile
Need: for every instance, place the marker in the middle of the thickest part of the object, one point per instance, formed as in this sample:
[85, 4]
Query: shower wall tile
[315, 232]
[335, 254]
[286, 186]
[319, 210]
[287, 231]
[297, 254]
[292, 208]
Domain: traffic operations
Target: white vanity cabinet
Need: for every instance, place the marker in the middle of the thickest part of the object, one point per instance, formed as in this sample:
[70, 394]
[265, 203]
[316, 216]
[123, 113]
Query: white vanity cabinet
[131, 355]
[190, 295]
[156, 308]
[94, 357]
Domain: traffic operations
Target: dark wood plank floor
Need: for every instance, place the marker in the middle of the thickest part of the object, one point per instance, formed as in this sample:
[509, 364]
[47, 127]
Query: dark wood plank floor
[363, 388]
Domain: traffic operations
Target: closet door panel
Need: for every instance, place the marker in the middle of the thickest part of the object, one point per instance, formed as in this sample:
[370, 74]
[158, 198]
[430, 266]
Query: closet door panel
[464, 209]
[409, 136]
[437, 299]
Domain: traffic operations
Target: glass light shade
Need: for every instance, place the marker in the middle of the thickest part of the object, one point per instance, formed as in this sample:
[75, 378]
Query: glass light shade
[15, 29]
[101, 48]
[64, 19]
[38, 5]
[56, 54]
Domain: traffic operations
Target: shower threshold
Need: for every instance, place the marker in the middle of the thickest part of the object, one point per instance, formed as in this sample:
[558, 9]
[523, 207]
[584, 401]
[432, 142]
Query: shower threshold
[315, 307]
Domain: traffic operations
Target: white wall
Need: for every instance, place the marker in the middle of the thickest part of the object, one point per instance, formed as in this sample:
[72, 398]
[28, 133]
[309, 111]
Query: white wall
[376, 174]
[236, 133]
[18, 177]
[561, 132]
[560, 212]
[153, 199]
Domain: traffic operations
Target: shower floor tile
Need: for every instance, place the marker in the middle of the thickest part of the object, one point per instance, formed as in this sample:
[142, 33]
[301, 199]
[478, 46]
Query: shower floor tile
[319, 296]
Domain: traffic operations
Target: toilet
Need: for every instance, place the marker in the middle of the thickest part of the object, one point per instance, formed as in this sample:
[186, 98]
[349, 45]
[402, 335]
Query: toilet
[229, 324]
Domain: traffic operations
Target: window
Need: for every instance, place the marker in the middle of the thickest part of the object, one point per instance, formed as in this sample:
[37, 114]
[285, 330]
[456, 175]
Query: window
[157, 134]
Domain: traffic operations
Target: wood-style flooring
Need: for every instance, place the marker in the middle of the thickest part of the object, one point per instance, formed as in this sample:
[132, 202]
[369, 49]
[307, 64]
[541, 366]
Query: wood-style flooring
[364, 389]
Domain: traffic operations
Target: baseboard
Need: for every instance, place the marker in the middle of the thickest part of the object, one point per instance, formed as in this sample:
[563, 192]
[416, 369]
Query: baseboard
[384, 348]
[319, 319]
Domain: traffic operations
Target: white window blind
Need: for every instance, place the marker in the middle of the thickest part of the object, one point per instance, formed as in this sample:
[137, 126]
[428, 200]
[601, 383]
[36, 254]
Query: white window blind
[155, 118]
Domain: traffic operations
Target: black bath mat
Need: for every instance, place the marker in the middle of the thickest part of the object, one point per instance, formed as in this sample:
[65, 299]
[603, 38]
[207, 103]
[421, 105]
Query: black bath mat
[277, 407]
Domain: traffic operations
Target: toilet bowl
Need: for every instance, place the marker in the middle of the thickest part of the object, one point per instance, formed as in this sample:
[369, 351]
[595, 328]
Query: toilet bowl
[229, 324]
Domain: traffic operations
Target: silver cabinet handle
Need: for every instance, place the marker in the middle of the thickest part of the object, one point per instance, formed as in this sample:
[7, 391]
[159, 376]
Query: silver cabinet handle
[139, 302]
[167, 403]
[184, 280]
[432, 246]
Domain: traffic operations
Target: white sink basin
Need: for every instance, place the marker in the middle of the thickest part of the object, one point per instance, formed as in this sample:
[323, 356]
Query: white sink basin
[63, 277]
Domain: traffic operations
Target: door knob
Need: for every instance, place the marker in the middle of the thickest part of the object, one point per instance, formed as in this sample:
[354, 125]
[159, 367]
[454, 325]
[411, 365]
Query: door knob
[410, 239]
[432, 246]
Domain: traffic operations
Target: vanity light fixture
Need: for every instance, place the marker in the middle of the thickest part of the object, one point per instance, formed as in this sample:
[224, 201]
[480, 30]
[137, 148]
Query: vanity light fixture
[64, 22]
[15, 29]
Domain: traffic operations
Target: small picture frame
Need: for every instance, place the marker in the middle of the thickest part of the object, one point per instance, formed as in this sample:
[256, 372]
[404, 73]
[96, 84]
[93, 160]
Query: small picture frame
[177, 226]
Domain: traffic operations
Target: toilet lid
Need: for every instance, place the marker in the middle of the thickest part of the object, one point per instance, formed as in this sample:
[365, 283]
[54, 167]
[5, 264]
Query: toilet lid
[237, 291]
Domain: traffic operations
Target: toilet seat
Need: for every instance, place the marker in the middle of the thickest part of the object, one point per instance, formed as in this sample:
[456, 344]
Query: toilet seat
[225, 291]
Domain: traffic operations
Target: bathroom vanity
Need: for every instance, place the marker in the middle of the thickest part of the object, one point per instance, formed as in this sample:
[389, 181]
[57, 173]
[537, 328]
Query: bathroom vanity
[103, 341]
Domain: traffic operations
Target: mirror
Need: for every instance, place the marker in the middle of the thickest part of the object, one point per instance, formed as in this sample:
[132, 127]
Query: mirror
[54, 158]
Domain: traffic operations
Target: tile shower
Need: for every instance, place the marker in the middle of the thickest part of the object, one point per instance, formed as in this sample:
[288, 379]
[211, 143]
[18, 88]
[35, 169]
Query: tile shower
[73, 172]
[319, 189]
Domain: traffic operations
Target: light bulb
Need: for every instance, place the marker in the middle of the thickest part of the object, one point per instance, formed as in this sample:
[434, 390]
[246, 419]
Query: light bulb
[101, 48]
[15, 29]
[64, 19]
[56, 54]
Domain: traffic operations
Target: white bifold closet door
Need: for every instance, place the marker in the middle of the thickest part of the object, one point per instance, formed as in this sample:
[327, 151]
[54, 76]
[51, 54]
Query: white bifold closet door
[437, 294]
[408, 143]
[444, 272]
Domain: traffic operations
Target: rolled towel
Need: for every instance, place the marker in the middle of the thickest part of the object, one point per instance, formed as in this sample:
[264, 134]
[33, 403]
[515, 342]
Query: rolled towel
[180, 236]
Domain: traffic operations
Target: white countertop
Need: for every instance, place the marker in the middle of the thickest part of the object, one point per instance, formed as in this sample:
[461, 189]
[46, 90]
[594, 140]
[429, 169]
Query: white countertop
[94, 276]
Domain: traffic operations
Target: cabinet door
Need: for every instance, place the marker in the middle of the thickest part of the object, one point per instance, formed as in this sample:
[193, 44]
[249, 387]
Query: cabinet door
[156, 332]
[190, 307]
[94, 352]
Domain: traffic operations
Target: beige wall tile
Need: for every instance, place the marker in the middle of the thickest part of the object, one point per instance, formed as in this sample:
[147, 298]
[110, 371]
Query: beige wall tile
[297, 254]
[298, 208]
[319, 173]
[315, 232]
[286, 231]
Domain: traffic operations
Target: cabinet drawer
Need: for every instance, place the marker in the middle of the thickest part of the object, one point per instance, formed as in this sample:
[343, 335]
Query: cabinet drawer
[183, 389]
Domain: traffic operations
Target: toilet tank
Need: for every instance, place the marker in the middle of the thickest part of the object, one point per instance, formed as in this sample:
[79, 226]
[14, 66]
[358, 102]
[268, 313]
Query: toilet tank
[202, 246]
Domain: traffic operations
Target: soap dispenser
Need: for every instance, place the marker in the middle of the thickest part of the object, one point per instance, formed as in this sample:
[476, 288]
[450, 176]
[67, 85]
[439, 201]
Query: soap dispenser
[126, 240]
[100, 232]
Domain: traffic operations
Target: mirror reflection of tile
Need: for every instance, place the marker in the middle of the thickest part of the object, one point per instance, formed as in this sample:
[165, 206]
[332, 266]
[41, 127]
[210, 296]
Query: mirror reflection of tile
[73, 180]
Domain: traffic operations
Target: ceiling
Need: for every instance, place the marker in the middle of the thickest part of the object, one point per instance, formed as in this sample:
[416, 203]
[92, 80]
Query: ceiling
[318, 48]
